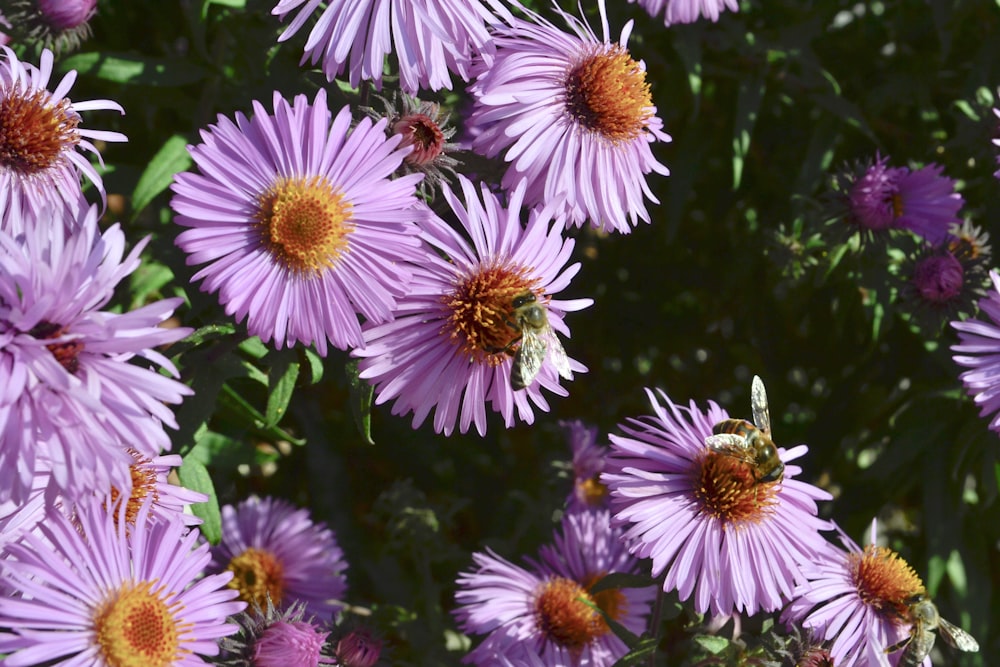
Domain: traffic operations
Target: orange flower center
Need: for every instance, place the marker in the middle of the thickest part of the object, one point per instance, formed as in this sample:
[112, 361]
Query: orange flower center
[134, 627]
[305, 223]
[884, 581]
[592, 491]
[34, 132]
[481, 305]
[729, 490]
[258, 575]
[608, 94]
[143, 484]
[565, 611]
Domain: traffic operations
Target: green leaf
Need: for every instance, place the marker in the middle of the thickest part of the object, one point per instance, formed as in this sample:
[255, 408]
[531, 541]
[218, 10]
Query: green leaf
[172, 158]
[283, 374]
[147, 281]
[194, 475]
[254, 347]
[208, 332]
[315, 365]
[712, 643]
[131, 69]
[361, 401]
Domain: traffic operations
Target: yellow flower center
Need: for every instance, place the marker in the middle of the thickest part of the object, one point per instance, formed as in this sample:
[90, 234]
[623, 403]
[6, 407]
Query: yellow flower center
[136, 628]
[729, 490]
[608, 94]
[258, 575]
[592, 491]
[564, 611]
[34, 132]
[305, 223]
[884, 581]
[481, 305]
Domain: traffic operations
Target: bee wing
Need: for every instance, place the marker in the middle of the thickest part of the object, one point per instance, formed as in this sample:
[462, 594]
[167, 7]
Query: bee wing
[957, 637]
[758, 403]
[557, 354]
[731, 445]
[528, 359]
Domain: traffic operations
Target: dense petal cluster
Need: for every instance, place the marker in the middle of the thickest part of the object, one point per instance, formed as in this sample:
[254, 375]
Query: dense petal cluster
[449, 348]
[545, 614]
[41, 140]
[687, 11]
[71, 397]
[278, 553]
[734, 543]
[573, 116]
[89, 591]
[431, 38]
[298, 224]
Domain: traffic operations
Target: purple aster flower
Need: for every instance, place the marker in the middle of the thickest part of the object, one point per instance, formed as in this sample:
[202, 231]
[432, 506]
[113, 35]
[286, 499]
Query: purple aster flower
[40, 163]
[298, 222]
[978, 350]
[70, 394]
[884, 197]
[275, 638]
[85, 583]
[279, 554]
[451, 346]
[574, 117]
[588, 464]
[56, 24]
[708, 521]
[859, 600]
[541, 610]
[431, 38]
[687, 11]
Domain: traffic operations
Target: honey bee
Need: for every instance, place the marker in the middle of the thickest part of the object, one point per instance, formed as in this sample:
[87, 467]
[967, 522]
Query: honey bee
[537, 341]
[751, 443]
[925, 619]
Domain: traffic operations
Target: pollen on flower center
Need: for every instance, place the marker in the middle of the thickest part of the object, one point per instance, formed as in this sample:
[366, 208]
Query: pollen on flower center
[258, 575]
[729, 491]
[564, 616]
[481, 320]
[68, 353]
[420, 131]
[143, 484]
[34, 132]
[136, 628]
[608, 94]
[305, 223]
[884, 581]
[592, 491]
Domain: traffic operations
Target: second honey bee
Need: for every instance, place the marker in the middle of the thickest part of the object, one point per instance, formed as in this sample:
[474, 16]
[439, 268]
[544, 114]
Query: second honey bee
[925, 619]
[537, 342]
[751, 443]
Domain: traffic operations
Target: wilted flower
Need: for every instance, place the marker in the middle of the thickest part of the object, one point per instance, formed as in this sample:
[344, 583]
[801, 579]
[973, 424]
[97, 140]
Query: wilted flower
[857, 599]
[278, 553]
[877, 198]
[735, 542]
[424, 127]
[431, 38]
[687, 11]
[573, 115]
[298, 223]
[450, 347]
[549, 609]
[40, 164]
[70, 395]
[86, 583]
[979, 350]
[59, 25]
